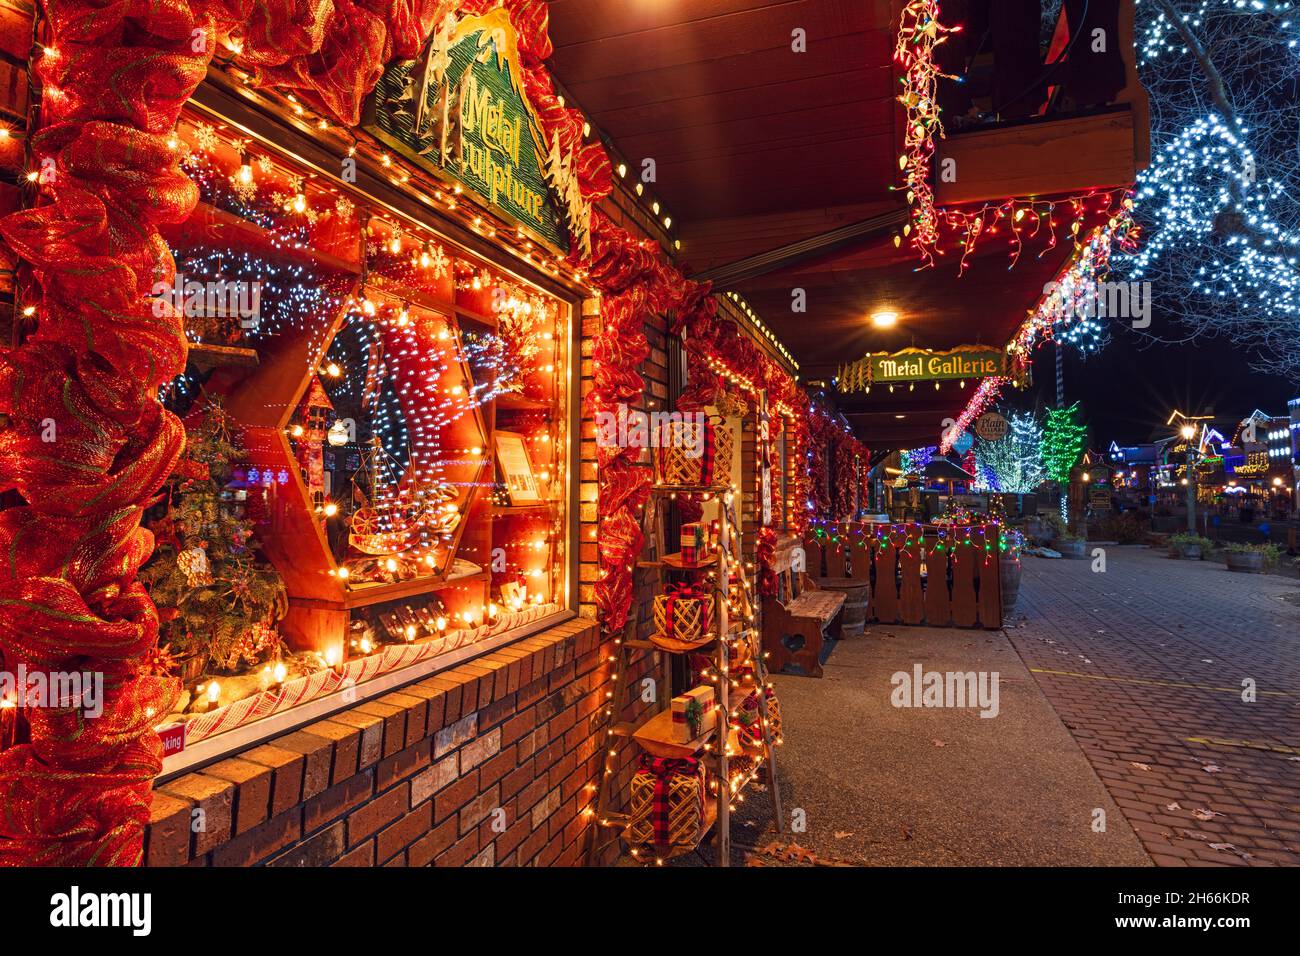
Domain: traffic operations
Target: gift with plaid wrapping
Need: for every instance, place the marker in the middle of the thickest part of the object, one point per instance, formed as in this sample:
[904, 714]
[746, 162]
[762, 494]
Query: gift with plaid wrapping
[694, 452]
[694, 714]
[666, 809]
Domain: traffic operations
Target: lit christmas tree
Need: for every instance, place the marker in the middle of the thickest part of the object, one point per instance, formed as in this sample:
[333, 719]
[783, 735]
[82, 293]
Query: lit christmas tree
[1064, 437]
[1014, 462]
[217, 599]
[915, 459]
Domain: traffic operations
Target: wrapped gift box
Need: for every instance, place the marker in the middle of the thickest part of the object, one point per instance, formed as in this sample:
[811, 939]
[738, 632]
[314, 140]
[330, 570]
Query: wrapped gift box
[749, 721]
[694, 542]
[666, 805]
[694, 714]
[694, 453]
[684, 613]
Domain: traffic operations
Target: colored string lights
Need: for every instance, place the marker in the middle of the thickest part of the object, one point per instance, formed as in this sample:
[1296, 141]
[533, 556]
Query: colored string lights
[919, 33]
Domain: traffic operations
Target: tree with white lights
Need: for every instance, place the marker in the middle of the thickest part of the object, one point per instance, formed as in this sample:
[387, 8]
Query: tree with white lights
[1220, 203]
[1016, 459]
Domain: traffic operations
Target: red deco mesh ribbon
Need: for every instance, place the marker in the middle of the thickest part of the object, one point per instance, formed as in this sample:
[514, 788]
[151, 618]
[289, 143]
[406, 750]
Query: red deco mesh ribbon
[78, 793]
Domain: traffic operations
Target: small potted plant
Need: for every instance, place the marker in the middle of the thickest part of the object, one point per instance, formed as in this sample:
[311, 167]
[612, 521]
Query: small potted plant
[1193, 547]
[1050, 528]
[1252, 558]
[1071, 546]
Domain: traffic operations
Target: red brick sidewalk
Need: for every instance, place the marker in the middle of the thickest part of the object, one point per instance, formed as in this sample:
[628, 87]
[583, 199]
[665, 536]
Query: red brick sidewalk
[1144, 664]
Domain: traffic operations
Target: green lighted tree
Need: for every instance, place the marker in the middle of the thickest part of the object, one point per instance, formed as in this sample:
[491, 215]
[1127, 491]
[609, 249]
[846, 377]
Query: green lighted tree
[1064, 437]
[1016, 460]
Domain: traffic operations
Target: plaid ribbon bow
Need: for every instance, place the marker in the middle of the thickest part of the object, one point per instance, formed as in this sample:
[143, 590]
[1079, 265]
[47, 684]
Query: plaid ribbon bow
[664, 769]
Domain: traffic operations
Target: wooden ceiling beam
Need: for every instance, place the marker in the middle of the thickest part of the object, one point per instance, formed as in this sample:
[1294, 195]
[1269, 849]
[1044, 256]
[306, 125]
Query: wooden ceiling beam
[725, 277]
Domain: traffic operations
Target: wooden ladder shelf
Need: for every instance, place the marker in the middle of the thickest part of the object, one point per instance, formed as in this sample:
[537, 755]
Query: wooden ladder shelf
[652, 731]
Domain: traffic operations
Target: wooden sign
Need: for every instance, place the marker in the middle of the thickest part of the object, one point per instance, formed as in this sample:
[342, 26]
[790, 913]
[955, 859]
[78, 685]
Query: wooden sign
[991, 426]
[922, 365]
[459, 110]
[1099, 498]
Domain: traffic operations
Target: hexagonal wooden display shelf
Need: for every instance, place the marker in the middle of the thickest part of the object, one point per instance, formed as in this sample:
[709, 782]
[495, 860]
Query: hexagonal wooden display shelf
[263, 393]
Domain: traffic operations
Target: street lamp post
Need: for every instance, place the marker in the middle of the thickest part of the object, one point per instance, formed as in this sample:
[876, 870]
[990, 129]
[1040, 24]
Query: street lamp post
[1189, 433]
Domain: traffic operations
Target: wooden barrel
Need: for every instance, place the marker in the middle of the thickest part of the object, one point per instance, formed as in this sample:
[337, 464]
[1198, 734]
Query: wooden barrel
[1009, 574]
[854, 621]
[857, 595]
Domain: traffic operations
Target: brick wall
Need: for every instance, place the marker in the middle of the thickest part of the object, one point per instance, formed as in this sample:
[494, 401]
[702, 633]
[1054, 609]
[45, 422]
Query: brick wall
[415, 777]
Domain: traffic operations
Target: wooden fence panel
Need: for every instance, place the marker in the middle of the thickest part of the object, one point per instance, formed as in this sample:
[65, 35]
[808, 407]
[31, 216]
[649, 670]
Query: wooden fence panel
[988, 541]
[885, 591]
[965, 612]
[911, 603]
[812, 549]
[938, 602]
[837, 550]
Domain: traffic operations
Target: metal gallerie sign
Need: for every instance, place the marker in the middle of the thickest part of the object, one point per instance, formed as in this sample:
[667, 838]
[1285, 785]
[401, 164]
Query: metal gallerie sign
[922, 365]
[459, 109]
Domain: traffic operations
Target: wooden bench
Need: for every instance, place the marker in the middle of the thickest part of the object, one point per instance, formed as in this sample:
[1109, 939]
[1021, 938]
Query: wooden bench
[800, 619]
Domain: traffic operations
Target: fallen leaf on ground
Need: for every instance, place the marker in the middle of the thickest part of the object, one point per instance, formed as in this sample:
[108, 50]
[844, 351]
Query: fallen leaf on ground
[939, 743]
[1204, 814]
[1222, 846]
[1173, 806]
[907, 833]
[842, 834]
[1140, 766]
[1212, 768]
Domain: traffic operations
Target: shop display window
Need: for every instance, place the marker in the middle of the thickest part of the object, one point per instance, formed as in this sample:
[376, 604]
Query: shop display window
[377, 472]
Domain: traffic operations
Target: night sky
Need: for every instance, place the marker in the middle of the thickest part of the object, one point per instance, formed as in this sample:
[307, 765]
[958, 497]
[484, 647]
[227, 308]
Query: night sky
[1129, 388]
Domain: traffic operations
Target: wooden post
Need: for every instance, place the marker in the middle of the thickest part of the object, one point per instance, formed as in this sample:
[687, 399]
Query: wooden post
[724, 682]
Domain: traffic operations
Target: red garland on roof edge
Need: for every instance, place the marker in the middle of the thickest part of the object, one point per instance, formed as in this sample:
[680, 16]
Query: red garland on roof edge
[78, 793]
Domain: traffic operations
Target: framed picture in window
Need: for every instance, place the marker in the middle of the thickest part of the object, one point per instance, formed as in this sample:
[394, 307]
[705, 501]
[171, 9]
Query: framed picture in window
[516, 468]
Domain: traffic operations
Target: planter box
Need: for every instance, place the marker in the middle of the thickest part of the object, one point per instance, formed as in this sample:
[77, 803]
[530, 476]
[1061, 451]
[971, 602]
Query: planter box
[1247, 562]
[1072, 549]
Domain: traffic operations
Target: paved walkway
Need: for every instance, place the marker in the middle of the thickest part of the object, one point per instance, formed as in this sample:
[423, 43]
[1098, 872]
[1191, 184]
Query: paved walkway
[1120, 694]
[1145, 664]
[892, 786]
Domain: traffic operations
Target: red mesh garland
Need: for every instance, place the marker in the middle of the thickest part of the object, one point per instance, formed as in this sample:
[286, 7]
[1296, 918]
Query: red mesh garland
[78, 793]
